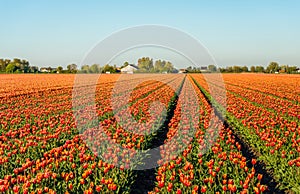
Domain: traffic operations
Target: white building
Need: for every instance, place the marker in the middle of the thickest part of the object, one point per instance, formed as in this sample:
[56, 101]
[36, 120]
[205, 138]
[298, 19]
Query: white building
[47, 69]
[182, 71]
[129, 69]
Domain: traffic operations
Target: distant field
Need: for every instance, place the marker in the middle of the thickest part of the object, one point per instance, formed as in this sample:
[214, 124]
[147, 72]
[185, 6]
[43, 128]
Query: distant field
[255, 147]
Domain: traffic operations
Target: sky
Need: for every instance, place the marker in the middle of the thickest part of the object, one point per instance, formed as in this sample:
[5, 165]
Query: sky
[56, 32]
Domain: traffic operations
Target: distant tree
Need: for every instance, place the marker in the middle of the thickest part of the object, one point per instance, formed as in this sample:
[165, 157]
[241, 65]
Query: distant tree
[24, 66]
[283, 68]
[11, 68]
[49, 69]
[292, 69]
[59, 69]
[2, 65]
[229, 69]
[33, 69]
[212, 68]
[85, 69]
[95, 68]
[125, 64]
[237, 69]
[20, 65]
[72, 68]
[273, 67]
[252, 69]
[222, 70]
[168, 67]
[259, 69]
[245, 69]
[158, 66]
[145, 64]
[108, 68]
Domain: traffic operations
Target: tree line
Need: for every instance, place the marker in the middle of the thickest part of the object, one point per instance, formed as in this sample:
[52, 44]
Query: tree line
[145, 65]
[16, 66]
[273, 67]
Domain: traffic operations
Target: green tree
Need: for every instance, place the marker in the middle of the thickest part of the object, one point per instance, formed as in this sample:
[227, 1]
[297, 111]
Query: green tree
[283, 68]
[273, 67]
[252, 69]
[229, 69]
[11, 68]
[59, 69]
[72, 68]
[20, 66]
[237, 69]
[168, 67]
[158, 66]
[24, 66]
[2, 65]
[212, 68]
[33, 69]
[259, 69]
[125, 64]
[95, 68]
[292, 69]
[245, 69]
[145, 64]
[222, 70]
[108, 68]
[85, 69]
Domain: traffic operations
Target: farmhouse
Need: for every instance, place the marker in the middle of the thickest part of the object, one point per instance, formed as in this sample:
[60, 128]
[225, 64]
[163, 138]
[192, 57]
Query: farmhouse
[204, 69]
[47, 69]
[129, 69]
[182, 71]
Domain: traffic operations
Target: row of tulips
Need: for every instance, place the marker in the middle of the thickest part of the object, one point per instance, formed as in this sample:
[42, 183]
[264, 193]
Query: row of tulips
[212, 161]
[38, 129]
[274, 136]
[46, 155]
[282, 86]
[284, 106]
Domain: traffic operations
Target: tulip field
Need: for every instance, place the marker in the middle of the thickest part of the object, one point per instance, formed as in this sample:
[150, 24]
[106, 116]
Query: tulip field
[246, 141]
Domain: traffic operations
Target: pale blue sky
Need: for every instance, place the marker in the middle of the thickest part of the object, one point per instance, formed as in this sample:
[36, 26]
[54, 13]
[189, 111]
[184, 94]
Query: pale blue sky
[236, 32]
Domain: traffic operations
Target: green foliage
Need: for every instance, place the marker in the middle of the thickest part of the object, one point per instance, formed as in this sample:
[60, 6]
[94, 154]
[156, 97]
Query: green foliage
[95, 68]
[125, 64]
[259, 69]
[11, 68]
[145, 65]
[273, 67]
[59, 69]
[240, 69]
[72, 68]
[197, 70]
[109, 68]
[212, 68]
[292, 69]
[14, 66]
[245, 69]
